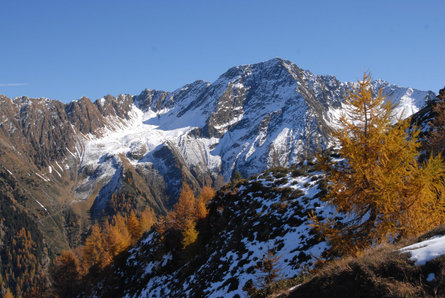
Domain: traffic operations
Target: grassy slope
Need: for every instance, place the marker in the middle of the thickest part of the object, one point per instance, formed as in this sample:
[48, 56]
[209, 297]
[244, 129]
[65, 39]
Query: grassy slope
[379, 272]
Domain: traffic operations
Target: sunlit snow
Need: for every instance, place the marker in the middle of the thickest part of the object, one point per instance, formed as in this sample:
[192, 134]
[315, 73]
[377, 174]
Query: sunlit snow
[427, 250]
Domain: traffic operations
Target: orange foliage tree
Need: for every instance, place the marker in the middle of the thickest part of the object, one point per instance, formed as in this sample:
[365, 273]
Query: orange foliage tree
[94, 252]
[189, 234]
[183, 211]
[100, 247]
[67, 273]
[186, 212]
[8, 294]
[379, 185]
[134, 226]
[147, 219]
[207, 193]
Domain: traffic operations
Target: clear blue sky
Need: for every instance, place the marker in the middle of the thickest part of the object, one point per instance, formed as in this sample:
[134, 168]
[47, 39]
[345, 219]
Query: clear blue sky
[68, 49]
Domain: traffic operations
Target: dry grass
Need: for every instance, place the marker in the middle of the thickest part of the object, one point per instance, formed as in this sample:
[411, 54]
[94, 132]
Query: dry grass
[378, 272]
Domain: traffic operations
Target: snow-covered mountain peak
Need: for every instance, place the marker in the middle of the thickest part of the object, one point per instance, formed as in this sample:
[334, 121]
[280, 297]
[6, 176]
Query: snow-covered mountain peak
[131, 152]
[251, 118]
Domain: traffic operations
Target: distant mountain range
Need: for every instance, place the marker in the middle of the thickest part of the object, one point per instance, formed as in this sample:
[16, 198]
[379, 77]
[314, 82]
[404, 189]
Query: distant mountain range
[66, 164]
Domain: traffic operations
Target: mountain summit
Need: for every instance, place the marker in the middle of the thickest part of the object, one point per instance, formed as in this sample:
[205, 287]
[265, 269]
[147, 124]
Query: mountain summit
[87, 159]
[251, 118]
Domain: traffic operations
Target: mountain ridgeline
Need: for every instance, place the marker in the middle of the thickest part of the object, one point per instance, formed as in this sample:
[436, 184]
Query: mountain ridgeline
[64, 166]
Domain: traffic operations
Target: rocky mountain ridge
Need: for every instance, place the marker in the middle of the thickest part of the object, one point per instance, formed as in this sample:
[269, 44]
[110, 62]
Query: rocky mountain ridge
[252, 118]
[79, 159]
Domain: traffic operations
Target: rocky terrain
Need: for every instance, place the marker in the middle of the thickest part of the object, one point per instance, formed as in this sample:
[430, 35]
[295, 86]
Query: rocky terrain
[247, 220]
[63, 166]
[265, 220]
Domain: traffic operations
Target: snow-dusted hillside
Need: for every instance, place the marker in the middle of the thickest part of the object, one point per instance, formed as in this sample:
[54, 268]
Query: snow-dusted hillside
[251, 118]
[245, 221]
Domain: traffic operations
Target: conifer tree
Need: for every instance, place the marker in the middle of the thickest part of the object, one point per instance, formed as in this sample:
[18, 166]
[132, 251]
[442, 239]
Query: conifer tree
[183, 211]
[236, 176]
[66, 273]
[269, 267]
[180, 223]
[189, 234]
[134, 227]
[379, 185]
[94, 251]
[115, 240]
[147, 219]
[8, 294]
[207, 193]
[120, 224]
[201, 209]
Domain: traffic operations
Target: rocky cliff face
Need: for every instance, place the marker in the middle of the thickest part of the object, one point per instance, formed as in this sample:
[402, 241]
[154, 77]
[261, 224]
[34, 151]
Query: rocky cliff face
[253, 117]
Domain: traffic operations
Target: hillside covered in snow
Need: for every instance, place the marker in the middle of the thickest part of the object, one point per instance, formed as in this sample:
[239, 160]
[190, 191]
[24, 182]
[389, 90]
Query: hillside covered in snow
[266, 219]
[247, 220]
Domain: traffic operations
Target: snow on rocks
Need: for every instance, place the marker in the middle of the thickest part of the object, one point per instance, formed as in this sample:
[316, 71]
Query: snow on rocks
[246, 220]
[43, 178]
[251, 118]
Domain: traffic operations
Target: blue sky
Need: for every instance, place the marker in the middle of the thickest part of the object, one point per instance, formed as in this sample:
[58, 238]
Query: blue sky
[68, 49]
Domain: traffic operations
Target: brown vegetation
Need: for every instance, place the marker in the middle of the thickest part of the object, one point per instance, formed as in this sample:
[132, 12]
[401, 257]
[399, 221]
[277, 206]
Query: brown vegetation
[379, 272]
[100, 248]
[269, 266]
[185, 214]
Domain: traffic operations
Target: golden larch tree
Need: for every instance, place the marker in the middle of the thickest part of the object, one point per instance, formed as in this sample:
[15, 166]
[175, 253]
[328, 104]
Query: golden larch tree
[116, 241]
[8, 294]
[66, 273]
[189, 234]
[183, 211]
[186, 213]
[95, 252]
[147, 219]
[378, 184]
[206, 195]
[134, 227]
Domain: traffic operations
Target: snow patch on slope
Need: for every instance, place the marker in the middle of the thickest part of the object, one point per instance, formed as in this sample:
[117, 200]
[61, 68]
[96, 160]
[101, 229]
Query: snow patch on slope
[427, 250]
